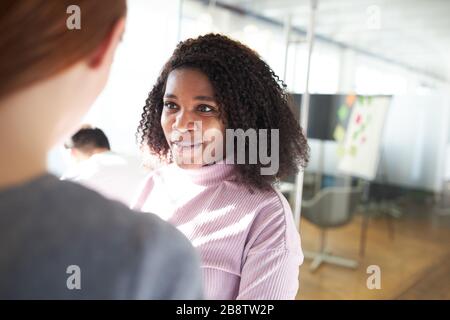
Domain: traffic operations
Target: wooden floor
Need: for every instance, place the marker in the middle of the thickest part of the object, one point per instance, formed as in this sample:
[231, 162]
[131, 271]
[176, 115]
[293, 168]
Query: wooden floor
[415, 263]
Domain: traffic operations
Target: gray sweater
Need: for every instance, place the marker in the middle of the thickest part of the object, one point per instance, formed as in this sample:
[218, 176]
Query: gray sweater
[59, 240]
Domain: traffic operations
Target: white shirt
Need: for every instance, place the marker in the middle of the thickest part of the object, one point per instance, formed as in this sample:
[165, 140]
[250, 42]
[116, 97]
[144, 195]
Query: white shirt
[115, 176]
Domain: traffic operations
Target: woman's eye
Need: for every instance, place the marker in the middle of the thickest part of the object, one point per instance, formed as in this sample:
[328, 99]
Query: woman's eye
[205, 108]
[170, 105]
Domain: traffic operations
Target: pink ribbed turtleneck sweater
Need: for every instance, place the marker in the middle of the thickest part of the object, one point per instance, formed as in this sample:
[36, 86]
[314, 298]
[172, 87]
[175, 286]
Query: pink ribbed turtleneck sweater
[248, 243]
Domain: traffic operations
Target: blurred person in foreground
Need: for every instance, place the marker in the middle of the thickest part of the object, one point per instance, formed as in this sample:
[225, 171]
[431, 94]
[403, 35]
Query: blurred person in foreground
[57, 238]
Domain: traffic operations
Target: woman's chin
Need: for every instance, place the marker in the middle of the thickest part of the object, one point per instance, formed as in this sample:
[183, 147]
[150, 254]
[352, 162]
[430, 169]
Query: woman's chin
[192, 165]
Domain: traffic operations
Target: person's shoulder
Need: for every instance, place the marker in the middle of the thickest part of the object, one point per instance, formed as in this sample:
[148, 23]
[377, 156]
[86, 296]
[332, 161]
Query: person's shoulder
[273, 205]
[113, 244]
[92, 208]
[268, 199]
[274, 220]
[152, 237]
[93, 216]
[278, 201]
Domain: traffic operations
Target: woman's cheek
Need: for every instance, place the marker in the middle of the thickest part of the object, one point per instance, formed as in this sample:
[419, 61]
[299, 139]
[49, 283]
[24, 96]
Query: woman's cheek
[214, 136]
[165, 124]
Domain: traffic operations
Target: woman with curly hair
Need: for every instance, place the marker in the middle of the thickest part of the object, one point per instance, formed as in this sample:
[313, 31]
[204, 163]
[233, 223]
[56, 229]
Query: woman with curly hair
[241, 226]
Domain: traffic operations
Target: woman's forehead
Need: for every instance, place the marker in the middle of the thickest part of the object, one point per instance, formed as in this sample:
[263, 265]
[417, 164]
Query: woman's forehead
[189, 82]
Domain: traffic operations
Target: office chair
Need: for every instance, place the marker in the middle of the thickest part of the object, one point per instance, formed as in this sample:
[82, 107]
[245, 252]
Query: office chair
[331, 207]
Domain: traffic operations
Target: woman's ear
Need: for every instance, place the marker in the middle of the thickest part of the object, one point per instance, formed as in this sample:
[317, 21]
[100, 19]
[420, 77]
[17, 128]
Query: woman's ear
[105, 51]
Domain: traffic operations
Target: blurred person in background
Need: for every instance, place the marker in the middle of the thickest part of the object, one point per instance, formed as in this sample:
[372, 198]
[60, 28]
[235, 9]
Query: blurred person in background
[58, 239]
[97, 167]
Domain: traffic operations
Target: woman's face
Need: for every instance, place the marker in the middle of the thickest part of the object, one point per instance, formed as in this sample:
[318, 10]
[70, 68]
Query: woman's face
[190, 119]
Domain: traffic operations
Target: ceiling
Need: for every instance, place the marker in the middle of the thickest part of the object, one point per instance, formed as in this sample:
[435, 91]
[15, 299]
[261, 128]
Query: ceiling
[414, 34]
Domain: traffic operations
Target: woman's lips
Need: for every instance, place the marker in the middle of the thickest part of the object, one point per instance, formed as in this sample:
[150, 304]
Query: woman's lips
[186, 143]
[181, 146]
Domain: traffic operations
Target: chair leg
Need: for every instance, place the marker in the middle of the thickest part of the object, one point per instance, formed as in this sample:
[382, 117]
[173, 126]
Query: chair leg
[340, 261]
[390, 225]
[323, 240]
[318, 258]
[363, 238]
[317, 261]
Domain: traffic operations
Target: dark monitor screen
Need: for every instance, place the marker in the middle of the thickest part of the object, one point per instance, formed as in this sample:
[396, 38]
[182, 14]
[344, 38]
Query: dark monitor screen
[323, 117]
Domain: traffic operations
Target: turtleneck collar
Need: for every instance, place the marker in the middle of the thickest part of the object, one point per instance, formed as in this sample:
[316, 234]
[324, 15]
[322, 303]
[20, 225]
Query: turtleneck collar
[207, 175]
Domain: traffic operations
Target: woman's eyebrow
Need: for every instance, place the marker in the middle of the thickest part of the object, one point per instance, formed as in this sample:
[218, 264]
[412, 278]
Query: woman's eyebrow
[170, 95]
[205, 98]
[202, 98]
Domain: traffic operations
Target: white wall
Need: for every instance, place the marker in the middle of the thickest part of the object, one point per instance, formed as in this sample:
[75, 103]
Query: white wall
[415, 141]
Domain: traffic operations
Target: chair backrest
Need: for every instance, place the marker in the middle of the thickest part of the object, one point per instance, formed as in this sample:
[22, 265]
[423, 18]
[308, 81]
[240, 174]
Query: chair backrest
[332, 207]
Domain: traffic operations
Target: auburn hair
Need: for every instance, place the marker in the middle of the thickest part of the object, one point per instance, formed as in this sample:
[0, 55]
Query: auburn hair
[35, 42]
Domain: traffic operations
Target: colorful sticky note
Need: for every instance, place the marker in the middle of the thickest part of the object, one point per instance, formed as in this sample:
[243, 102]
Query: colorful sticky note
[343, 112]
[350, 100]
[339, 133]
[361, 100]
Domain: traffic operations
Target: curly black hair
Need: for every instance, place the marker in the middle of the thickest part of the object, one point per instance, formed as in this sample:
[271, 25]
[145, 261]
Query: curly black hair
[249, 94]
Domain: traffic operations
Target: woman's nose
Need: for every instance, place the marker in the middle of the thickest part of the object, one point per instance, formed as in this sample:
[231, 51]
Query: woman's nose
[185, 121]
